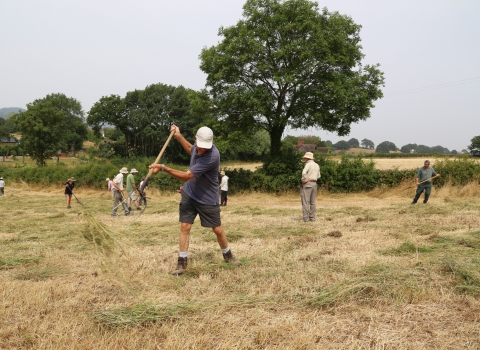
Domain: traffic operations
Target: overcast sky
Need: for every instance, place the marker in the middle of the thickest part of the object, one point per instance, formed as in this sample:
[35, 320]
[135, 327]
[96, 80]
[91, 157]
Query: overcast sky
[93, 48]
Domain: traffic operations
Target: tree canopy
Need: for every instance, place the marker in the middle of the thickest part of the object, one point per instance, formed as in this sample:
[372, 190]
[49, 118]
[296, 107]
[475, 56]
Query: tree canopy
[353, 142]
[474, 147]
[366, 143]
[49, 125]
[385, 147]
[342, 144]
[144, 118]
[288, 64]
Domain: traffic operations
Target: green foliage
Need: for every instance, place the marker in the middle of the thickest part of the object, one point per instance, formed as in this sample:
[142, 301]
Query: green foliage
[241, 146]
[342, 145]
[385, 147]
[457, 171]
[142, 119]
[414, 148]
[280, 174]
[41, 127]
[474, 147]
[49, 125]
[366, 143]
[287, 63]
[353, 142]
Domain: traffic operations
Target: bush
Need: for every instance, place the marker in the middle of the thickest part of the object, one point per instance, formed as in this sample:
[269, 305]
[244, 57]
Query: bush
[457, 172]
[350, 174]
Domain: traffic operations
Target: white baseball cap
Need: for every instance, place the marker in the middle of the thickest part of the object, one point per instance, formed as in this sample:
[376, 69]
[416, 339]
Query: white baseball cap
[204, 137]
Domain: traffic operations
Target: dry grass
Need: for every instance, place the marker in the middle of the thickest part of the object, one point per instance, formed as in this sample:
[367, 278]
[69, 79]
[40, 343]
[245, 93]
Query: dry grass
[396, 277]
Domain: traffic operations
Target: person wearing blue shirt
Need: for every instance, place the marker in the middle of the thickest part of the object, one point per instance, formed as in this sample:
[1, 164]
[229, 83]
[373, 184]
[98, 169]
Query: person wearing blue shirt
[199, 193]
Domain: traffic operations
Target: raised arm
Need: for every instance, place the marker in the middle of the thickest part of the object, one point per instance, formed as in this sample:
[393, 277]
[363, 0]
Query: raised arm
[185, 144]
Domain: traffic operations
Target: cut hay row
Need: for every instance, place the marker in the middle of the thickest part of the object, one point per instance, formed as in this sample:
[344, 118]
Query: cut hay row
[372, 272]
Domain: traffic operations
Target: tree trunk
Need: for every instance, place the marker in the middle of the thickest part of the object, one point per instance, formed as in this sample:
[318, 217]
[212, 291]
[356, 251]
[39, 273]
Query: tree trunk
[276, 140]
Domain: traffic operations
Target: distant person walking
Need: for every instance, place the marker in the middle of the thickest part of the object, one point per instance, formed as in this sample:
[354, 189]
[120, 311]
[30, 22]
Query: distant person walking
[224, 188]
[118, 193]
[423, 180]
[110, 186]
[131, 187]
[69, 185]
[308, 189]
[2, 186]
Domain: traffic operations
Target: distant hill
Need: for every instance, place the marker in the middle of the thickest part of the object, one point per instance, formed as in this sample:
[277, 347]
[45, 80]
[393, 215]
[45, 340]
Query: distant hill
[4, 112]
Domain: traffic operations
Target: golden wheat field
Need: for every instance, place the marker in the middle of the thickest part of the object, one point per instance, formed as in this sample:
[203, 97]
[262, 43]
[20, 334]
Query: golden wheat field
[372, 272]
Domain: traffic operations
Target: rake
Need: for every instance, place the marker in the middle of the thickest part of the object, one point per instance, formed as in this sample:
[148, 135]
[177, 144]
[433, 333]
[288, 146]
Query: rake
[406, 188]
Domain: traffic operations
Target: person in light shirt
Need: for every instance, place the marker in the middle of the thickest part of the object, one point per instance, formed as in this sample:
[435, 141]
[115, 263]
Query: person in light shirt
[308, 189]
[224, 188]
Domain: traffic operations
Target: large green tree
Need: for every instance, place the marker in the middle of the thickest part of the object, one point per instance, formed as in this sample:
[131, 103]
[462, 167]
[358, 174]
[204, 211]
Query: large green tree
[42, 128]
[144, 118]
[366, 143]
[474, 147]
[286, 63]
[385, 147]
[49, 125]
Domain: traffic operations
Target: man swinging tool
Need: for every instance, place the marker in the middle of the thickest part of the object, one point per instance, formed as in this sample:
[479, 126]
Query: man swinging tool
[423, 181]
[69, 185]
[118, 193]
[200, 192]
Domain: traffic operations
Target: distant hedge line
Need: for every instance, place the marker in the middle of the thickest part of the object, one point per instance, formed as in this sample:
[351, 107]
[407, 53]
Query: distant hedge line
[349, 174]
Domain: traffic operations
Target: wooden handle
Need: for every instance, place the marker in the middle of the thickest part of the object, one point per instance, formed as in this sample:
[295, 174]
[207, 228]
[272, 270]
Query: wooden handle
[150, 172]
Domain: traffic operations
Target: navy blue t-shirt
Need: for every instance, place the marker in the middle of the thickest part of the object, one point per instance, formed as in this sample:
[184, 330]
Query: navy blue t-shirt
[203, 188]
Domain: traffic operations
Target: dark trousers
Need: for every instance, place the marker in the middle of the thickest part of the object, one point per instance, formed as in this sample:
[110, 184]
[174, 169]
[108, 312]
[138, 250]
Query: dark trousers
[143, 199]
[423, 187]
[224, 198]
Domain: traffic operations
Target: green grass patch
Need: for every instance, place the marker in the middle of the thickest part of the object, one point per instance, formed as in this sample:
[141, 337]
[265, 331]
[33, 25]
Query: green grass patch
[40, 274]
[9, 262]
[372, 285]
[141, 314]
[406, 248]
[466, 275]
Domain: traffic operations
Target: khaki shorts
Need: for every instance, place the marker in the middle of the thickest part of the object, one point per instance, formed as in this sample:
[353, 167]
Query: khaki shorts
[133, 195]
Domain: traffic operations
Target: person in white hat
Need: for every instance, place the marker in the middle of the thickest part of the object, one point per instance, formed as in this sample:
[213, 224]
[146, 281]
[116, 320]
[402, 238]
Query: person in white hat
[308, 189]
[199, 193]
[118, 192]
[224, 188]
[131, 187]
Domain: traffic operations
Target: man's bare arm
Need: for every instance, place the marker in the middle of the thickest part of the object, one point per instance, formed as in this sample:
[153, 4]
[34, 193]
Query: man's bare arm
[185, 144]
[180, 175]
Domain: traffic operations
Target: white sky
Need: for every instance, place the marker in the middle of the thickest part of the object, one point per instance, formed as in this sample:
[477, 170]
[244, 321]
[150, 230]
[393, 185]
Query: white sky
[93, 48]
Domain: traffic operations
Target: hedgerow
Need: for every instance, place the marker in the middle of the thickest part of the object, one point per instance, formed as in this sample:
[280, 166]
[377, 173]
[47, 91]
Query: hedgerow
[349, 174]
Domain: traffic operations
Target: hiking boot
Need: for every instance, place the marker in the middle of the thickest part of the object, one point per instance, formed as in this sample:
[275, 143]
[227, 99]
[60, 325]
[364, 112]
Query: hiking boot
[413, 203]
[129, 209]
[229, 258]
[181, 266]
[138, 208]
[114, 214]
[127, 213]
[68, 207]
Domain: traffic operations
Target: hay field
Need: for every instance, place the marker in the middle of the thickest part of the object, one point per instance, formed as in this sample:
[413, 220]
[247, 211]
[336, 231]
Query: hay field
[373, 272]
[380, 163]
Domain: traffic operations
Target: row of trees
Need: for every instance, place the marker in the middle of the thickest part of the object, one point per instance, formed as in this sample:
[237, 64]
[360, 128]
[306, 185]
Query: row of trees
[284, 64]
[387, 147]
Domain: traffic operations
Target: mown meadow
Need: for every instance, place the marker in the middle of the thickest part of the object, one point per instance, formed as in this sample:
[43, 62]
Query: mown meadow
[373, 272]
